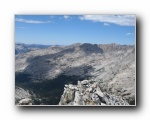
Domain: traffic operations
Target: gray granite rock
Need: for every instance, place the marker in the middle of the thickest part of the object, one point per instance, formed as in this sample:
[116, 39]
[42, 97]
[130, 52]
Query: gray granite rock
[89, 95]
[25, 101]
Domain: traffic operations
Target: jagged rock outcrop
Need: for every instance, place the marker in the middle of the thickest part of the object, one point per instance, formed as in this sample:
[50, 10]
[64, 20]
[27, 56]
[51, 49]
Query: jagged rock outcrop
[88, 92]
[22, 97]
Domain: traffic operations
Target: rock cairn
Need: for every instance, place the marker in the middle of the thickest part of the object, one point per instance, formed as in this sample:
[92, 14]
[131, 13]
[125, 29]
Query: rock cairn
[87, 92]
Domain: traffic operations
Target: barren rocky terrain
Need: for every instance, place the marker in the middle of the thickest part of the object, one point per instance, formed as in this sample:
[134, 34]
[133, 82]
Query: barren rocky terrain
[56, 75]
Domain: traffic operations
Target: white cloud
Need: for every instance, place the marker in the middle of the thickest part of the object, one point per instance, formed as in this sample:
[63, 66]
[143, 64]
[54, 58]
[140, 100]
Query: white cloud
[122, 20]
[31, 21]
[106, 24]
[128, 33]
[66, 17]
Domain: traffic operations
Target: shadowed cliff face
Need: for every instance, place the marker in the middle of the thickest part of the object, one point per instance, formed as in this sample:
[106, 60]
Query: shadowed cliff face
[90, 48]
[44, 72]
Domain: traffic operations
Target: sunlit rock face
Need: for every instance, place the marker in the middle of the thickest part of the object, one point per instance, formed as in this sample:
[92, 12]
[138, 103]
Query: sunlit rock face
[88, 92]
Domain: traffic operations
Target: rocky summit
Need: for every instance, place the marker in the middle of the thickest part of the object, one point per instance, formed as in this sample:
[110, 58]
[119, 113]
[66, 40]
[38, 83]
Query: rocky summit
[88, 92]
[77, 74]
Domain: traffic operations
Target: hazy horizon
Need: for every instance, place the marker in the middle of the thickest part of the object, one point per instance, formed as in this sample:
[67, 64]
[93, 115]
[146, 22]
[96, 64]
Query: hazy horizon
[67, 44]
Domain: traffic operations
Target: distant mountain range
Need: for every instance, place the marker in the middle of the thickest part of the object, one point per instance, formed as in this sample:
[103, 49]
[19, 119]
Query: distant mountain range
[44, 71]
[23, 48]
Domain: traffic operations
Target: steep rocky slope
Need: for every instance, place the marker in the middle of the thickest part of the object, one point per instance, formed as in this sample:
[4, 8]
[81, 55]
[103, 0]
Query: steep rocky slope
[111, 67]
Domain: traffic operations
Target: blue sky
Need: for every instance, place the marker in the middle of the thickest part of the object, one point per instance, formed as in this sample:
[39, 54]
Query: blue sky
[69, 29]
